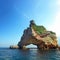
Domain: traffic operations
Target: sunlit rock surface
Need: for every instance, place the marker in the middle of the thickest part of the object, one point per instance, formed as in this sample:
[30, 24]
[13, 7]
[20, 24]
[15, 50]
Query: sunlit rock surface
[39, 36]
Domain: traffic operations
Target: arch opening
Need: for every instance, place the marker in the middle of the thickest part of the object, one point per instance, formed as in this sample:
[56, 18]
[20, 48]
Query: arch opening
[31, 46]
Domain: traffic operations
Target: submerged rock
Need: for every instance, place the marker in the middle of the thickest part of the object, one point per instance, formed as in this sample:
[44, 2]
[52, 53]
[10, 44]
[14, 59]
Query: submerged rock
[39, 36]
[14, 47]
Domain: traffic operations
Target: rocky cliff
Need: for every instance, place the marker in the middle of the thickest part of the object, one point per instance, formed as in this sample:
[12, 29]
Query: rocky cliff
[38, 35]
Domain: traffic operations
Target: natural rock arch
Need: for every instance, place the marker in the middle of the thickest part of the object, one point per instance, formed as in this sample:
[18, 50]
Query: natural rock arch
[38, 36]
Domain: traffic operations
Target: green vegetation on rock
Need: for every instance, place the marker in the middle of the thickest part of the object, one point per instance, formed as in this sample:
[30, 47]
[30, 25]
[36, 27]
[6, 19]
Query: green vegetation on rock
[39, 29]
[52, 32]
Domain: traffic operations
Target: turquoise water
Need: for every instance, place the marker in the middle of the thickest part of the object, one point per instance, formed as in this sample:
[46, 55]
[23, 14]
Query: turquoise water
[31, 54]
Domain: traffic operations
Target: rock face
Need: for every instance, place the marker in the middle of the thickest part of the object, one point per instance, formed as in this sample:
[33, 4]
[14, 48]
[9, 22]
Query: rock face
[38, 35]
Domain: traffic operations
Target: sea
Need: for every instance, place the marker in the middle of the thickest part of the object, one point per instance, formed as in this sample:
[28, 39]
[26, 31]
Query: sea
[29, 54]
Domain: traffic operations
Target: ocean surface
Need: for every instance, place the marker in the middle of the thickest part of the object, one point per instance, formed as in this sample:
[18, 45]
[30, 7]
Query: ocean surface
[31, 54]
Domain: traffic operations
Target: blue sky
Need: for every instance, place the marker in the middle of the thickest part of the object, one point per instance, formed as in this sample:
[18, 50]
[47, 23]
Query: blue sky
[16, 14]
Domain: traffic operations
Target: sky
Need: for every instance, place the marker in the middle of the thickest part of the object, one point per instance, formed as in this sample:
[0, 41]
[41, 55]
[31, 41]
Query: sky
[15, 16]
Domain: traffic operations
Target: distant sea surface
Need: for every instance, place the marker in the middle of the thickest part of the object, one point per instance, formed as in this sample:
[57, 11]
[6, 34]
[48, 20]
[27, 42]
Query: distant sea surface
[31, 54]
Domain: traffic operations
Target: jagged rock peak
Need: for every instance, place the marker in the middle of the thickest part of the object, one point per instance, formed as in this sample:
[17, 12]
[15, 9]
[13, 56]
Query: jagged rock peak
[32, 23]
